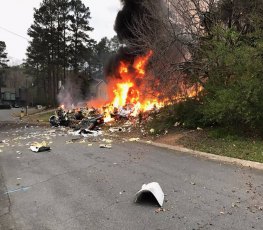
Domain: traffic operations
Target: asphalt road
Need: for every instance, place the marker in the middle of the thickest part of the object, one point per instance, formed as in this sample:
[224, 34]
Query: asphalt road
[11, 115]
[76, 186]
[8, 114]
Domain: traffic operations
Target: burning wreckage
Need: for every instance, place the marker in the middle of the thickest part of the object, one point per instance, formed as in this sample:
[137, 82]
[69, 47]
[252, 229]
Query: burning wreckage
[87, 120]
[82, 120]
[127, 99]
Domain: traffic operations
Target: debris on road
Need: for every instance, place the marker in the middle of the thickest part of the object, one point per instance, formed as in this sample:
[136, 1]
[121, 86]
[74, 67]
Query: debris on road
[107, 141]
[155, 189]
[40, 147]
[117, 129]
[134, 139]
[85, 133]
[160, 210]
[106, 146]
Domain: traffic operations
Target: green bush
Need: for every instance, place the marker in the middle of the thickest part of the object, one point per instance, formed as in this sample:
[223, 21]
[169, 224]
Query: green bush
[234, 84]
[187, 113]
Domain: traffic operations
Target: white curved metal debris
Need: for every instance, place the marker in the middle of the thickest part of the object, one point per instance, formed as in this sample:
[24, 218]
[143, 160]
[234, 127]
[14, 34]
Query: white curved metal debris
[155, 189]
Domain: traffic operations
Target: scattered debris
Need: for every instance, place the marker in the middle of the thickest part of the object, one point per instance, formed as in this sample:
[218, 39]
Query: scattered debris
[134, 139]
[152, 130]
[160, 210]
[155, 189]
[176, 124]
[116, 129]
[40, 147]
[86, 133]
[106, 146]
[90, 133]
[107, 141]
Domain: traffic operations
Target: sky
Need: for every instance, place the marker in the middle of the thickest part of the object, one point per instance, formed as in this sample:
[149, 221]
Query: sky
[16, 16]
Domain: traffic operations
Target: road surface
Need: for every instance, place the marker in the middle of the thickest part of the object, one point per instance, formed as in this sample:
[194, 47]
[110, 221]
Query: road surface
[8, 114]
[78, 186]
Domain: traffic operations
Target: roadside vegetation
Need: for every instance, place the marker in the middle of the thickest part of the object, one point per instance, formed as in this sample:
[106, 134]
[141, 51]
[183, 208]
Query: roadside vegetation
[224, 58]
[219, 142]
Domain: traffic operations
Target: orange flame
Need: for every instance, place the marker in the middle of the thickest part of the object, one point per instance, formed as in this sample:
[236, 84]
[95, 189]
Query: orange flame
[127, 87]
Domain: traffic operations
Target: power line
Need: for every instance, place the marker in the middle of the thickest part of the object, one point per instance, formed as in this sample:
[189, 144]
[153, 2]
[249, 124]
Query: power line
[11, 32]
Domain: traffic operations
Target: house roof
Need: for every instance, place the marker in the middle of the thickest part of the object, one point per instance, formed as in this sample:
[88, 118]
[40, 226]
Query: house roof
[94, 83]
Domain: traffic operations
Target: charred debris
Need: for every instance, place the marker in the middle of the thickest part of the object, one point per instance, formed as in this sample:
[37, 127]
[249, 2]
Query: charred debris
[92, 120]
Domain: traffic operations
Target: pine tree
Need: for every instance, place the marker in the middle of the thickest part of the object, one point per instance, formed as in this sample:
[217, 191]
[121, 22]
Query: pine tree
[59, 42]
[3, 55]
[3, 61]
[79, 38]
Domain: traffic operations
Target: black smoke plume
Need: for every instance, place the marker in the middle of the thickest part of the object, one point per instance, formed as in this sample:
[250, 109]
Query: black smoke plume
[124, 54]
[131, 11]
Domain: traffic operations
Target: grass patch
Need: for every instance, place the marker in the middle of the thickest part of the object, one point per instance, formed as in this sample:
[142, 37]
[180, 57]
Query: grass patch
[225, 144]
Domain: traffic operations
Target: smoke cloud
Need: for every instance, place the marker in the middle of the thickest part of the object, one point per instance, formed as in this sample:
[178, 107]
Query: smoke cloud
[125, 21]
[72, 95]
[132, 10]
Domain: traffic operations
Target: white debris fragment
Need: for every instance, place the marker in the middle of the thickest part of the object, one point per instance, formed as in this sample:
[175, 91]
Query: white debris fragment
[116, 129]
[152, 130]
[134, 139]
[106, 146]
[86, 133]
[176, 124]
[39, 147]
[127, 124]
[107, 141]
[91, 133]
[155, 189]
